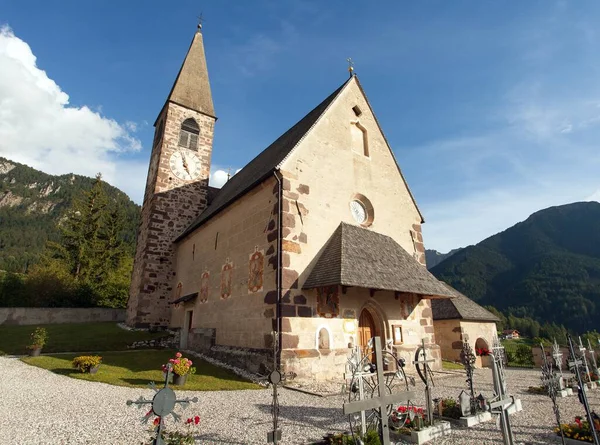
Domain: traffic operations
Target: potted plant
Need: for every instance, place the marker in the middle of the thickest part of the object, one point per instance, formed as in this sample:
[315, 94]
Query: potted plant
[181, 368]
[39, 337]
[87, 363]
[577, 432]
[176, 437]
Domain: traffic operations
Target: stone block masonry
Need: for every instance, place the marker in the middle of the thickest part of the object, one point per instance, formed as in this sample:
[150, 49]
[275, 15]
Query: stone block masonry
[170, 205]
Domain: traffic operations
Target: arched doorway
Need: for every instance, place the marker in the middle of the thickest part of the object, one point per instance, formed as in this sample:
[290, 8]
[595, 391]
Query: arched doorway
[482, 353]
[367, 328]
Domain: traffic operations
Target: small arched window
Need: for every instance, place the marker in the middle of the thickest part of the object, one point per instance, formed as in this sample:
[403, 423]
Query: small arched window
[188, 137]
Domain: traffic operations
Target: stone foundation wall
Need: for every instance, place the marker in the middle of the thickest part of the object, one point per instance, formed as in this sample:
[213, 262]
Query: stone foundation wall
[21, 316]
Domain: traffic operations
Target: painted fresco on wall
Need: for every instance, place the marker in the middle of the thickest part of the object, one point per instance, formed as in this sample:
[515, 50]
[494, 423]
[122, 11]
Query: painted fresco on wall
[226, 279]
[255, 271]
[204, 282]
[328, 301]
[407, 306]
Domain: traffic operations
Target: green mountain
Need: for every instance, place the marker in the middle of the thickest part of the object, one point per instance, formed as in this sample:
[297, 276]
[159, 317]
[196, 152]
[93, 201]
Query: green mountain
[32, 204]
[546, 267]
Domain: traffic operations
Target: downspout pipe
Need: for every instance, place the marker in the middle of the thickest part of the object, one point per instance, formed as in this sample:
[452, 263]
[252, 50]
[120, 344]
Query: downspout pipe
[279, 178]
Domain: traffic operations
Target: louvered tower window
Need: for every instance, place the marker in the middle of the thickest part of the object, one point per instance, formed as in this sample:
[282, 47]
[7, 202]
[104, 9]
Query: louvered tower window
[188, 137]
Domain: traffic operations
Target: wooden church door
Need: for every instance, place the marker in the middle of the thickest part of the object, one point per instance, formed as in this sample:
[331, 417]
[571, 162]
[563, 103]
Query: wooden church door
[366, 329]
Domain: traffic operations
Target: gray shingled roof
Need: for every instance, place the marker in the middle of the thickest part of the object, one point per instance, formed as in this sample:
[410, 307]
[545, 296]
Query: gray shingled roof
[355, 256]
[460, 307]
[192, 88]
[185, 298]
[263, 165]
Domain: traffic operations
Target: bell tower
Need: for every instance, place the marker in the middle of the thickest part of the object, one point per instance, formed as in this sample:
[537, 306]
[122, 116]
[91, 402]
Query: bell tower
[176, 187]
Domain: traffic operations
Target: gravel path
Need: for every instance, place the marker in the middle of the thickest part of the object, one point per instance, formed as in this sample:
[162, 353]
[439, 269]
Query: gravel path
[39, 407]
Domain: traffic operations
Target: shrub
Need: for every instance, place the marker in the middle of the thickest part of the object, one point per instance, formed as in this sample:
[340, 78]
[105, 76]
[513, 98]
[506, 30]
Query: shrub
[86, 362]
[39, 337]
[180, 365]
[450, 408]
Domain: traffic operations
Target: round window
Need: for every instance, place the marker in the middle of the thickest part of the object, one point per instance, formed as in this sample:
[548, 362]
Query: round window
[359, 212]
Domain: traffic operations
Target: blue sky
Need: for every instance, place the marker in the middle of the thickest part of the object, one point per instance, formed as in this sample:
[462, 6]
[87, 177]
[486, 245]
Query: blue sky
[492, 108]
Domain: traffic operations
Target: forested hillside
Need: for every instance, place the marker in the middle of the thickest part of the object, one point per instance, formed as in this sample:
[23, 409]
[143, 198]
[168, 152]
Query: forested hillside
[433, 257]
[546, 267]
[32, 204]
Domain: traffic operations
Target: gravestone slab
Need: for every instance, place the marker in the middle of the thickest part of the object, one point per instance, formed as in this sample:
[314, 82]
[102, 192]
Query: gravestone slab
[441, 428]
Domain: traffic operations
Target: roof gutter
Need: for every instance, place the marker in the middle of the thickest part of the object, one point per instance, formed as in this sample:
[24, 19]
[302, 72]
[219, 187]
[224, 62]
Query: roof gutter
[278, 178]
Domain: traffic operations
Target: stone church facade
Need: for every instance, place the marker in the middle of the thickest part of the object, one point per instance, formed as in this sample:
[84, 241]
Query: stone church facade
[318, 238]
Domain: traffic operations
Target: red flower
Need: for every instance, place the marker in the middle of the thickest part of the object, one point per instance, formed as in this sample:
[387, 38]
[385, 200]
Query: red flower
[149, 412]
[189, 420]
[197, 420]
[156, 421]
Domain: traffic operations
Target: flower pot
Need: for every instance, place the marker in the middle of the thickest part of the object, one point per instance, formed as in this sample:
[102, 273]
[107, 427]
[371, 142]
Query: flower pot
[34, 352]
[94, 369]
[179, 380]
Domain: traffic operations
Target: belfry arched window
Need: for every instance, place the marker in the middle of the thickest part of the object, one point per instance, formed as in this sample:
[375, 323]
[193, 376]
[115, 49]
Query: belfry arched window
[188, 136]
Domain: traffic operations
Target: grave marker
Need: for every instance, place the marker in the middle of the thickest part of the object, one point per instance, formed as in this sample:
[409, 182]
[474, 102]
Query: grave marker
[550, 380]
[162, 403]
[425, 373]
[574, 365]
[468, 358]
[381, 402]
[501, 402]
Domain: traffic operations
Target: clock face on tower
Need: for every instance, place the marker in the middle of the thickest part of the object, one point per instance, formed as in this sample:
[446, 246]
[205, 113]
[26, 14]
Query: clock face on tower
[185, 165]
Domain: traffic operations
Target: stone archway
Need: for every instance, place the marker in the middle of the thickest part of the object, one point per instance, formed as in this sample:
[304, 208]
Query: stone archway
[482, 353]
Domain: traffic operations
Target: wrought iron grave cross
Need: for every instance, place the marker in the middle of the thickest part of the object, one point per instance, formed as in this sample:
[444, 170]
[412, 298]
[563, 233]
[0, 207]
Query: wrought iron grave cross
[425, 373]
[501, 402]
[574, 364]
[557, 356]
[593, 356]
[276, 378]
[381, 402]
[163, 403]
[582, 351]
[467, 357]
[551, 380]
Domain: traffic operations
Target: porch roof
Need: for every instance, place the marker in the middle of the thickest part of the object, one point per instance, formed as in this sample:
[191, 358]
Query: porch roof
[185, 298]
[460, 307]
[355, 256]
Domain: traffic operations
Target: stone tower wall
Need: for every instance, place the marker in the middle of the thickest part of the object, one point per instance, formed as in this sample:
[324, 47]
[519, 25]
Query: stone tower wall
[170, 205]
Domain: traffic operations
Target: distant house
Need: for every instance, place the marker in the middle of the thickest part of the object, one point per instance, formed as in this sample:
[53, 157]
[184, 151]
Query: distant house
[510, 334]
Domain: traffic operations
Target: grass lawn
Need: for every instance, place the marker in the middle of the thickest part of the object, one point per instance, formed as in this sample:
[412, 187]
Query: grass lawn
[138, 368]
[72, 337]
[451, 365]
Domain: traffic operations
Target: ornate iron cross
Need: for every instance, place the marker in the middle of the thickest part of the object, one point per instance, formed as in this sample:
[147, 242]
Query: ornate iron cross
[582, 351]
[425, 373]
[468, 358]
[382, 402]
[557, 355]
[574, 364]
[593, 356]
[163, 403]
[550, 380]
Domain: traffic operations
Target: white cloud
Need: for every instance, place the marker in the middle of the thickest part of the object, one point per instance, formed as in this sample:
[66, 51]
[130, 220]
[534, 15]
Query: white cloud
[219, 177]
[39, 128]
[594, 196]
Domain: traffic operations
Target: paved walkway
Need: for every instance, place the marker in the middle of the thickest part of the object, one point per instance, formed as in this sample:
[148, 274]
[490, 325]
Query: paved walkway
[39, 407]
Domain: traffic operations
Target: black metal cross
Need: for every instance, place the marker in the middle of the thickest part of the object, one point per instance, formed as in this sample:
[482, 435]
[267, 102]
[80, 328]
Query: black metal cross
[276, 378]
[574, 364]
[381, 402]
[163, 403]
[424, 374]
[200, 20]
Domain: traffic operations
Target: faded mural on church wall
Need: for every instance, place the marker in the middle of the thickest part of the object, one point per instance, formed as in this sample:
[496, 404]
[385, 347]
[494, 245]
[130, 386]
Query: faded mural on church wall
[255, 271]
[328, 301]
[407, 305]
[226, 279]
[204, 286]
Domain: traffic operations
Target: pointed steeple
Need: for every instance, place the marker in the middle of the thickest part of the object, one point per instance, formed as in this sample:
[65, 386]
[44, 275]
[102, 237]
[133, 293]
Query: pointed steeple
[192, 88]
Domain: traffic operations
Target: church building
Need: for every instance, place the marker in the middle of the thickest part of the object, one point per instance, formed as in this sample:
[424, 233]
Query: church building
[318, 238]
